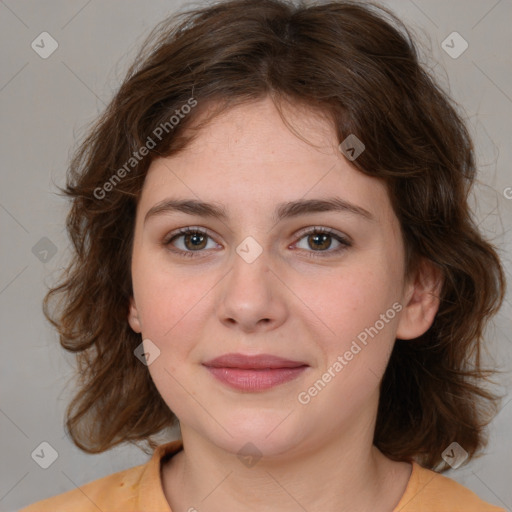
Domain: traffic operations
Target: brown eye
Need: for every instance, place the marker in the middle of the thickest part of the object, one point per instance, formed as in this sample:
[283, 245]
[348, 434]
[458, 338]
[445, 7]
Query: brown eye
[195, 241]
[188, 240]
[320, 240]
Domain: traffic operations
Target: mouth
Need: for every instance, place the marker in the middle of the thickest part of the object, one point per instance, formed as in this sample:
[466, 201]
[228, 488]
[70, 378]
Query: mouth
[254, 373]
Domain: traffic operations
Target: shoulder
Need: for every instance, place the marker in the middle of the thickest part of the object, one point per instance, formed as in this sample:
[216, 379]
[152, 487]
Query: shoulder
[118, 488]
[131, 490]
[428, 490]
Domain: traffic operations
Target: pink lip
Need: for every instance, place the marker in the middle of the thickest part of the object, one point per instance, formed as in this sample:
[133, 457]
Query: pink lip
[254, 373]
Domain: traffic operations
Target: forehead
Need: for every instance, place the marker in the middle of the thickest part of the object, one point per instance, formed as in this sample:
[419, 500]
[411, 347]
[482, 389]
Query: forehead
[259, 124]
[248, 159]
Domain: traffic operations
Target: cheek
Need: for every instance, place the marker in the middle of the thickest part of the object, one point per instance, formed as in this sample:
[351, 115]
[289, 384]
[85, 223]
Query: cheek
[172, 310]
[169, 300]
[345, 302]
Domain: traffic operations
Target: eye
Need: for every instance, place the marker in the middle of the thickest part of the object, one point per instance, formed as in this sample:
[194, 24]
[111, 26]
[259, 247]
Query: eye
[320, 239]
[194, 240]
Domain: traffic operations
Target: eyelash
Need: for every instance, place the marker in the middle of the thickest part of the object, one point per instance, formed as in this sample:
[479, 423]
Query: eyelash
[314, 231]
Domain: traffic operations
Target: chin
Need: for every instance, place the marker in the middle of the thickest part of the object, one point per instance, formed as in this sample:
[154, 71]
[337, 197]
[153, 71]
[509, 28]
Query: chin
[265, 433]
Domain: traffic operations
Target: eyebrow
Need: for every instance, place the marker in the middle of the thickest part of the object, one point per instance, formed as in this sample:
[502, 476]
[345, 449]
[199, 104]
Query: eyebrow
[283, 211]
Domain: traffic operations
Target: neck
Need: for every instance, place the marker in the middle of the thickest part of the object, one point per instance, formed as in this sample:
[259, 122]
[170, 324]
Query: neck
[333, 473]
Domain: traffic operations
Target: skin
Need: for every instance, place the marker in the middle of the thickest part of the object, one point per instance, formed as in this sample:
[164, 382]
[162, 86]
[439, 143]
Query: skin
[320, 454]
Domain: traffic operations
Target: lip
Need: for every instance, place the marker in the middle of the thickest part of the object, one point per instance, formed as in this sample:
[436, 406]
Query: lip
[256, 362]
[254, 373]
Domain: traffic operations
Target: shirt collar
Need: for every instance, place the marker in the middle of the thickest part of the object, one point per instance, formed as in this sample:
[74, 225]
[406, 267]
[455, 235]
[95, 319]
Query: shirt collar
[151, 494]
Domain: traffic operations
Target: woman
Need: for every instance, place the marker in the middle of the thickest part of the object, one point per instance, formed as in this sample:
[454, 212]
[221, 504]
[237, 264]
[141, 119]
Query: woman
[274, 248]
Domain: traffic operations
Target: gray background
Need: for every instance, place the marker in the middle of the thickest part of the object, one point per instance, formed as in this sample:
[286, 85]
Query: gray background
[45, 105]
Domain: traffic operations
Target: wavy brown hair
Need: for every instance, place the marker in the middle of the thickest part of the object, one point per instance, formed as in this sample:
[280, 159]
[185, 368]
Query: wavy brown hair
[358, 65]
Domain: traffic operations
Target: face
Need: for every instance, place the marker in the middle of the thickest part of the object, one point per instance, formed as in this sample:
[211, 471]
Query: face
[260, 281]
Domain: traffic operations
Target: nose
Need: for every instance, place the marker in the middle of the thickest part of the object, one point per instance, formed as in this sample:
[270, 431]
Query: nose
[252, 297]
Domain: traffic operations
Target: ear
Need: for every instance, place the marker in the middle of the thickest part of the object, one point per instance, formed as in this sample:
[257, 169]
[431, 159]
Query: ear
[421, 301]
[133, 317]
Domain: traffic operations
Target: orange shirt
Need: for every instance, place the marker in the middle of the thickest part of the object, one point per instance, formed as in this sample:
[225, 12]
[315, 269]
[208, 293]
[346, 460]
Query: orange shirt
[139, 489]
